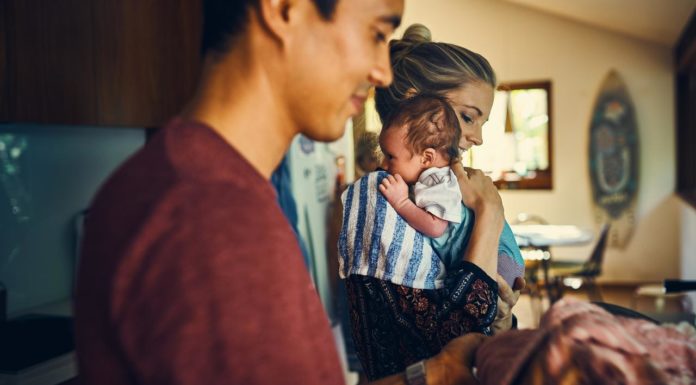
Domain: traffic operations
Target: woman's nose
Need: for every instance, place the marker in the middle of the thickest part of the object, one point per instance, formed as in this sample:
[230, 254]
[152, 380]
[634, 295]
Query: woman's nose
[475, 136]
[476, 140]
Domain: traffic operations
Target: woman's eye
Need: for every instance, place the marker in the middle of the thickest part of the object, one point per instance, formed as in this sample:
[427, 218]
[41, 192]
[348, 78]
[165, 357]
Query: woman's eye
[466, 118]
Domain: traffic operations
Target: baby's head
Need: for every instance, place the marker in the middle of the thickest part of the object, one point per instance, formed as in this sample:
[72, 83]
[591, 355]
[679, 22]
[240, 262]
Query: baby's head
[422, 132]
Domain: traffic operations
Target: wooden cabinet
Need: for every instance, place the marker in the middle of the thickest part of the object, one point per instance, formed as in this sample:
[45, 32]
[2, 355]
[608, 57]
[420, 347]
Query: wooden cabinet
[98, 62]
[685, 82]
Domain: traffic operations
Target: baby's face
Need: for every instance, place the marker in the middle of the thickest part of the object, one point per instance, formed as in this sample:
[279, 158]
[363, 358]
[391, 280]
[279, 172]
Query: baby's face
[398, 158]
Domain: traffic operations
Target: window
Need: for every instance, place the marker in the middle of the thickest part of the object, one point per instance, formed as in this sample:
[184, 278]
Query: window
[517, 138]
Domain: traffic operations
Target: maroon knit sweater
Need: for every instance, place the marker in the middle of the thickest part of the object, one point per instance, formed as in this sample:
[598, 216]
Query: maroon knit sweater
[190, 274]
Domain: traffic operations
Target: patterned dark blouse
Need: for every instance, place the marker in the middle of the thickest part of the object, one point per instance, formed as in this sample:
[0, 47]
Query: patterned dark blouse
[395, 326]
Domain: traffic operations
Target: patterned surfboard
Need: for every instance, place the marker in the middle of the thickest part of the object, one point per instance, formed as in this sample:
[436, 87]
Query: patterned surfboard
[614, 158]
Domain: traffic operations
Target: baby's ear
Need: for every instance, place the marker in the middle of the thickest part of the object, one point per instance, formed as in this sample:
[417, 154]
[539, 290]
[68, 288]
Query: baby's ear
[428, 157]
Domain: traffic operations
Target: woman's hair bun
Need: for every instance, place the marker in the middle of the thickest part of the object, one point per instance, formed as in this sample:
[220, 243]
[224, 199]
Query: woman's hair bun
[417, 33]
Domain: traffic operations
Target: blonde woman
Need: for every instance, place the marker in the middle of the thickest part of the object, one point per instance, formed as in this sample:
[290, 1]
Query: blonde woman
[396, 326]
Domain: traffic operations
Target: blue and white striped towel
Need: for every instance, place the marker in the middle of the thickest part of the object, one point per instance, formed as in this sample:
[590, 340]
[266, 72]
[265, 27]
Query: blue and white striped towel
[375, 241]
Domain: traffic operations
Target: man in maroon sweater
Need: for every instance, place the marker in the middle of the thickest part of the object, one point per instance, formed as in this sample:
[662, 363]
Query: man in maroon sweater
[190, 274]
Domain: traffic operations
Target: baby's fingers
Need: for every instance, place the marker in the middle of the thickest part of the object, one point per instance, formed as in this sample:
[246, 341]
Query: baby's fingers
[385, 183]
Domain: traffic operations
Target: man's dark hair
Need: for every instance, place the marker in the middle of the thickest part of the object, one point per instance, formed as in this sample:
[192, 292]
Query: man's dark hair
[223, 19]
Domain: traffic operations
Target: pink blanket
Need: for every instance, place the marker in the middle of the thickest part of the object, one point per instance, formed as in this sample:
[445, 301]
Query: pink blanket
[578, 342]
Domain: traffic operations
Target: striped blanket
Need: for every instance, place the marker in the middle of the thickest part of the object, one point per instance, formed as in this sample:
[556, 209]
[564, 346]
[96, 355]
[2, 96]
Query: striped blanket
[376, 242]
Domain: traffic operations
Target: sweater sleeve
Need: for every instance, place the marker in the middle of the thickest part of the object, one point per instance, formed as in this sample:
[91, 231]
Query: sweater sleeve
[394, 326]
[471, 289]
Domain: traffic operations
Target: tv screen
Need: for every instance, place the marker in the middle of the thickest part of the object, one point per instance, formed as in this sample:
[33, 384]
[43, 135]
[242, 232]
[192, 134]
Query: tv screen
[48, 176]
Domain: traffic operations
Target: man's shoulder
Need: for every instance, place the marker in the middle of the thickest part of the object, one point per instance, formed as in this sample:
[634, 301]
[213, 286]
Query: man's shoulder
[223, 200]
[188, 167]
[180, 209]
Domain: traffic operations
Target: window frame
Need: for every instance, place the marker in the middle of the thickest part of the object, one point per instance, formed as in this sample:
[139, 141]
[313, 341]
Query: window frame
[543, 179]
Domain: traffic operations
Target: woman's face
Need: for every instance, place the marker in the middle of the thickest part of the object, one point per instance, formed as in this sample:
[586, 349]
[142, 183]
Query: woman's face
[472, 102]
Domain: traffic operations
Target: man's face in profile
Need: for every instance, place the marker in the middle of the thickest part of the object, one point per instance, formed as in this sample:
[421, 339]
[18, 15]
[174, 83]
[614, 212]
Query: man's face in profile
[333, 63]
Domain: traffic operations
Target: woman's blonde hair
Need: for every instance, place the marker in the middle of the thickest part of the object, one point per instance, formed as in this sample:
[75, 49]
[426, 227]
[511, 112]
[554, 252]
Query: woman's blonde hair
[367, 154]
[423, 66]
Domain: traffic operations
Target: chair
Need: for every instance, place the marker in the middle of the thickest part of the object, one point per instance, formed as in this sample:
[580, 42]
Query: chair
[564, 272]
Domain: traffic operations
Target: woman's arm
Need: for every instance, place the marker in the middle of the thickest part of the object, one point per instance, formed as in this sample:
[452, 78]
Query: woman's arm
[395, 191]
[480, 194]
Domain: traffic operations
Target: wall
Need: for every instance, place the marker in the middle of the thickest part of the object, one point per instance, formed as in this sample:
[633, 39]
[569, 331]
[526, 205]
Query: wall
[523, 44]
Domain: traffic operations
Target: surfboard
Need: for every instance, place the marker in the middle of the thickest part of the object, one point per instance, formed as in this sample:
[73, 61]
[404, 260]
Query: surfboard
[614, 159]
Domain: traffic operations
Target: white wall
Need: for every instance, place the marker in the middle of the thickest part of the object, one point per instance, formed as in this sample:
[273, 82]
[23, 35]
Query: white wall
[523, 44]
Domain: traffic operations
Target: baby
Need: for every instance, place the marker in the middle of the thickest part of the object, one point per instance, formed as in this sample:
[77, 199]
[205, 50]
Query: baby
[419, 141]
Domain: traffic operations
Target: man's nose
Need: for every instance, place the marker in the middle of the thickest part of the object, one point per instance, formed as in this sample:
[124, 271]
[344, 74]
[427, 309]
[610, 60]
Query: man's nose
[381, 74]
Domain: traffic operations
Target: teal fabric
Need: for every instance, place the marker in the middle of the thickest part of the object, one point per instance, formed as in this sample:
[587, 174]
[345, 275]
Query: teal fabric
[450, 247]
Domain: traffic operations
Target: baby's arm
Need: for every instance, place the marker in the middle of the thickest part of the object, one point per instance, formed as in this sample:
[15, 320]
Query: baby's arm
[395, 191]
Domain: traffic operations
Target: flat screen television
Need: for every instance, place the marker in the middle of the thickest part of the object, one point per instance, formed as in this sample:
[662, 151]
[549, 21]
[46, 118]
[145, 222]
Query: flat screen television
[48, 176]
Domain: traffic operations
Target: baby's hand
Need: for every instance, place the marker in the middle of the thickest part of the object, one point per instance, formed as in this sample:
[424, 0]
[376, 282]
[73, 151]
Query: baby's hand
[395, 190]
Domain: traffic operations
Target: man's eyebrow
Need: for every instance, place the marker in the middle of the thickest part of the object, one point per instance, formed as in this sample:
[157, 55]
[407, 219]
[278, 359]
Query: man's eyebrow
[394, 20]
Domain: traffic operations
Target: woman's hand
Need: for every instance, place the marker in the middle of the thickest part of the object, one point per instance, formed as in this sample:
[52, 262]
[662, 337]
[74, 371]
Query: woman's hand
[507, 298]
[478, 191]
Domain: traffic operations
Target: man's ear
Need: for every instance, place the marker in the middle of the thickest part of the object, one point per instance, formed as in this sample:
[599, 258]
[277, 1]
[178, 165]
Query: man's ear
[428, 157]
[274, 15]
